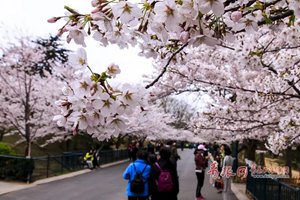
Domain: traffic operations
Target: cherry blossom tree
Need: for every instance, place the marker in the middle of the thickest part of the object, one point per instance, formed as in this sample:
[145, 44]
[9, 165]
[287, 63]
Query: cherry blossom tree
[242, 53]
[151, 122]
[179, 109]
[253, 93]
[26, 97]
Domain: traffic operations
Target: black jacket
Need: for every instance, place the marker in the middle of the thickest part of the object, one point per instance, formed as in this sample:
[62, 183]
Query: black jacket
[154, 174]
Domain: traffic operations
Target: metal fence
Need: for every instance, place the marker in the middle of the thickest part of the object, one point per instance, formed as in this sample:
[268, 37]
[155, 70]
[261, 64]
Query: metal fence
[35, 168]
[112, 156]
[263, 188]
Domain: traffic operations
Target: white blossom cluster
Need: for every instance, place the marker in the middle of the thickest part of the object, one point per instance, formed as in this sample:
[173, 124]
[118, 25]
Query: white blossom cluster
[244, 54]
[253, 86]
[91, 105]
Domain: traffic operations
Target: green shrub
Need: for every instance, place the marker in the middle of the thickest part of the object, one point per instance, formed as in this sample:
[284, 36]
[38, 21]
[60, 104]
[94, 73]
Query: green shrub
[5, 149]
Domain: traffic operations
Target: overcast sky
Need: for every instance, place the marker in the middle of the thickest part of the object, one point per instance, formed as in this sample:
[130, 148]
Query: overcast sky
[29, 17]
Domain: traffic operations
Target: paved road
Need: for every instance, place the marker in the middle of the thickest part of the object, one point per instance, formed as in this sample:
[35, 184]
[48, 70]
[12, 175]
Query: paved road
[188, 181]
[107, 184]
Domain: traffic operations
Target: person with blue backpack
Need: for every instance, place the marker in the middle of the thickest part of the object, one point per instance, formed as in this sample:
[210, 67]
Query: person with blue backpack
[137, 174]
[164, 184]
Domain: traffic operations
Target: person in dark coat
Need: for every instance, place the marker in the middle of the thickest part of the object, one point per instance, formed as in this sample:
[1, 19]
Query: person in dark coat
[28, 169]
[174, 154]
[135, 149]
[200, 165]
[165, 164]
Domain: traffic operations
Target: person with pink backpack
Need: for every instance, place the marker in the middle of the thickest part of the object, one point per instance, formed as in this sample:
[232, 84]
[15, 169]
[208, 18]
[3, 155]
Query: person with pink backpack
[163, 182]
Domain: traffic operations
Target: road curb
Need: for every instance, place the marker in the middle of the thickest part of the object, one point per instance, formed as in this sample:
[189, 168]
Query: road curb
[114, 163]
[238, 191]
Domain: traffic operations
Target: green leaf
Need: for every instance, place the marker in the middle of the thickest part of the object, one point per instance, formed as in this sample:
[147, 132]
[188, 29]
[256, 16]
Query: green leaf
[95, 77]
[258, 6]
[267, 19]
[104, 76]
[71, 10]
[292, 20]
[248, 9]
[256, 53]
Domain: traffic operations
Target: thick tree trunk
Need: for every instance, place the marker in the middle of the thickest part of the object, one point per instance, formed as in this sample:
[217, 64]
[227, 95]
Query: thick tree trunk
[120, 140]
[28, 141]
[142, 140]
[68, 143]
[251, 146]
[27, 117]
[28, 149]
[262, 159]
[3, 131]
[288, 160]
[1, 135]
[118, 143]
[101, 146]
[235, 153]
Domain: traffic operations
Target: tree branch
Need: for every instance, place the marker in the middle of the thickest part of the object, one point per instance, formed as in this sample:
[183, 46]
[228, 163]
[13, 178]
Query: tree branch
[166, 66]
[277, 17]
[239, 88]
[290, 86]
[240, 129]
[291, 83]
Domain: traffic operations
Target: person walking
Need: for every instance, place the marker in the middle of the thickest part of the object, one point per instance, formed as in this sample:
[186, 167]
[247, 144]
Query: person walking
[200, 162]
[219, 158]
[226, 173]
[129, 149]
[152, 158]
[136, 147]
[137, 173]
[164, 183]
[28, 169]
[174, 154]
[96, 158]
[182, 145]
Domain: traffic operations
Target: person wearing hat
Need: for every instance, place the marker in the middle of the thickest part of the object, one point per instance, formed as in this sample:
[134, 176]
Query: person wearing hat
[200, 166]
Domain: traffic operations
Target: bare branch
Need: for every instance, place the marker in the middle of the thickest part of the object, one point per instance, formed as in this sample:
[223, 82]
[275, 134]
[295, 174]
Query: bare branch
[166, 66]
[240, 88]
[292, 84]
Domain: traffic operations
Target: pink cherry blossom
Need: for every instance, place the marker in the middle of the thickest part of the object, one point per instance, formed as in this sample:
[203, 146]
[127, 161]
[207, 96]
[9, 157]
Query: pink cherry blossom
[243, 58]
[236, 16]
[184, 36]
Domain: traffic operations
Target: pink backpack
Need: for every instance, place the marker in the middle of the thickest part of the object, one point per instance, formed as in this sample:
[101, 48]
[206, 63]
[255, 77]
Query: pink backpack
[164, 182]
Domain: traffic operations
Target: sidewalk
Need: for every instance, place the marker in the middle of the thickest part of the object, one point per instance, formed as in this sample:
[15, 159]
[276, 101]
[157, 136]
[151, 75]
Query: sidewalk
[6, 187]
[239, 190]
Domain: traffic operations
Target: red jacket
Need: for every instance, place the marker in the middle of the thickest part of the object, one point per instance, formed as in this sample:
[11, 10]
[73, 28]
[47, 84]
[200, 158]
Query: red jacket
[200, 160]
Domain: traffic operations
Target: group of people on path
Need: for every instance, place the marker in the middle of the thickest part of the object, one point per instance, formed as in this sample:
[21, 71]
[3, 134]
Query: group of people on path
[154, 176]
[91, 159]
[221, 156]
[158, 172]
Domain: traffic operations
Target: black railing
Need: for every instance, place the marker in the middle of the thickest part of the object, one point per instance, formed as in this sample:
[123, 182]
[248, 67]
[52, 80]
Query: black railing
[264, 188]
[112, 156]
[35, 168]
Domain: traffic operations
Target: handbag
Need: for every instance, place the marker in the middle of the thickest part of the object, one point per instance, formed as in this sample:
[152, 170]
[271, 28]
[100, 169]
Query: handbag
[219, 184]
